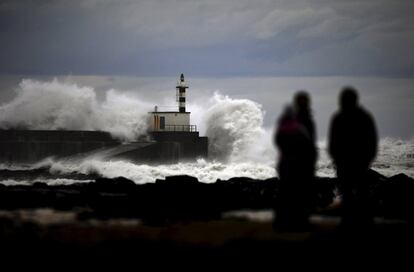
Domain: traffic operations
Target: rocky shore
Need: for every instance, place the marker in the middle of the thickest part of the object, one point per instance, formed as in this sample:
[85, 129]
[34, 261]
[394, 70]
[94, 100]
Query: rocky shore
[185, 198]
[180, 215]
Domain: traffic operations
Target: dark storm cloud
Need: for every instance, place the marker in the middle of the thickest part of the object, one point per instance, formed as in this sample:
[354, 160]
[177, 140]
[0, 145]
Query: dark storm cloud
[235, 37]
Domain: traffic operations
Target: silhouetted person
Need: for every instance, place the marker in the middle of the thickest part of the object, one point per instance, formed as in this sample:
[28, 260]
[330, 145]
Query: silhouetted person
[296, 166]
[353, 145]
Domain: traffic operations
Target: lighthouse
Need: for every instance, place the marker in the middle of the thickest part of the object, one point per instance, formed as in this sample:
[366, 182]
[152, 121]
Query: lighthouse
[173, 130]
[173, 121]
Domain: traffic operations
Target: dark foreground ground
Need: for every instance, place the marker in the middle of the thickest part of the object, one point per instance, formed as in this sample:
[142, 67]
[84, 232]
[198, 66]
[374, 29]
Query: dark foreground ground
[180, 220]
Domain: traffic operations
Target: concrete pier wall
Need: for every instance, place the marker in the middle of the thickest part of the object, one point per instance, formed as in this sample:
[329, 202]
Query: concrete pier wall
[29, 146]
[154, 153]
[191, 144]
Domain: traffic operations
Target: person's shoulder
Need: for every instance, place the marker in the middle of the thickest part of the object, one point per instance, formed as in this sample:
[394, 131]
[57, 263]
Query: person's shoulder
[336, 116]
[365, 113]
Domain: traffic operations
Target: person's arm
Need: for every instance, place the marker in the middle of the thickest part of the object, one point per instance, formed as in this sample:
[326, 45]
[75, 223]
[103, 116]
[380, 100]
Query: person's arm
[313, 132]
[332, 137]
[373, 137]
[276, 135]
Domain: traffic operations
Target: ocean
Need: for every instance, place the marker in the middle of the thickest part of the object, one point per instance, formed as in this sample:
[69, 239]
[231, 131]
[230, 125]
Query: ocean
[240, 135]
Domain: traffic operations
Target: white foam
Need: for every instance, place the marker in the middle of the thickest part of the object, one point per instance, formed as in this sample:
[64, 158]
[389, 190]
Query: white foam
[54, 105]
[395, 156]
[59, 181]
[204, 170]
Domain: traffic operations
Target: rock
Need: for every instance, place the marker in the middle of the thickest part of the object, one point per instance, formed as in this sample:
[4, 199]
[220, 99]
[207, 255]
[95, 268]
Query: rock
[375, 177]
[119, 184]
[402, 179]
[40, 185]
[393, 197]
[179, 179]
[184, 197]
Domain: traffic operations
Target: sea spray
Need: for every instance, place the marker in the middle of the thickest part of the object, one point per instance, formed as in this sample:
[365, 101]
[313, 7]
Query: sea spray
[53, 105]
[235, 130]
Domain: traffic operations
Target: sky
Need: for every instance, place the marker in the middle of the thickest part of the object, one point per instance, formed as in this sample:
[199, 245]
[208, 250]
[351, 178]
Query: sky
[263, 50]
[208, 38]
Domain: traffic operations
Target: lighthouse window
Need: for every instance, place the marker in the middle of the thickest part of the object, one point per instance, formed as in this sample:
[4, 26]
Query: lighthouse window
[162, 122]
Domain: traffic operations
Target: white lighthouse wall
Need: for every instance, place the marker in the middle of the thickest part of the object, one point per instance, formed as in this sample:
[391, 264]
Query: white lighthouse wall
[177, 119]
[171, 119]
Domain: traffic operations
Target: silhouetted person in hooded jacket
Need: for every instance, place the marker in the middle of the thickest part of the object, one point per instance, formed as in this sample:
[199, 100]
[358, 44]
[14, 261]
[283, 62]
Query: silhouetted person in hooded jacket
[353, 145]
[295, 140]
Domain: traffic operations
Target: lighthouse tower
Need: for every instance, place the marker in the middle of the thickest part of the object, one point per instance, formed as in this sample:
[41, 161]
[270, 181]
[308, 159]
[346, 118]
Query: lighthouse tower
[181, 87]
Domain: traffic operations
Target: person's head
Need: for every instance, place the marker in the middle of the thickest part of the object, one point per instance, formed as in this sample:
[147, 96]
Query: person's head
[301, 101]
[348, 98]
